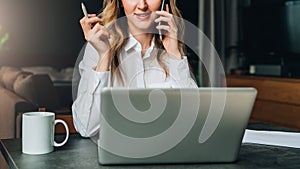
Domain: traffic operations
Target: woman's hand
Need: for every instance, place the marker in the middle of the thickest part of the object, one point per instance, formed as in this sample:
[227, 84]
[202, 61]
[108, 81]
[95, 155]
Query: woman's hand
[170, 40]
[98, 36]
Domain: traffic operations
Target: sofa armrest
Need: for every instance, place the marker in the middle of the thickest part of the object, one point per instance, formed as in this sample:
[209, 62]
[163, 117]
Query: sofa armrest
[10, 105]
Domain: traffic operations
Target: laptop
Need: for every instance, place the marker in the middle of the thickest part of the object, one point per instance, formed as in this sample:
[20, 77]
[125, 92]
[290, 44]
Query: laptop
[153, 126]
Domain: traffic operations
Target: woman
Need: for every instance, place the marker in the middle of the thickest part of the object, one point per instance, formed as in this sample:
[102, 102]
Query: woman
[127, 51]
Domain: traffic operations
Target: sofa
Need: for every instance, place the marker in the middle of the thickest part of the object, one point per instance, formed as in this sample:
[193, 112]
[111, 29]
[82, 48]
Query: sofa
[22, 91]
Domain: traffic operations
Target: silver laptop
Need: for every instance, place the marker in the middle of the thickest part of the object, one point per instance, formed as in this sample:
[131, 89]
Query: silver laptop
[145, 126]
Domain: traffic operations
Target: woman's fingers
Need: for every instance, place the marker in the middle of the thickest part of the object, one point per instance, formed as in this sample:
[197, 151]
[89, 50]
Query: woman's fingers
[96, 28]
[170, 41]
[164, 13]
[164, 27]
[88, 23]
[102, 34]
[94, 20]
[167, 8]
[91, 15]
[170, 25]
[95, 33]
[167, 20]
[166, 17]
[98, 32]
[171, 32]
[98, 37]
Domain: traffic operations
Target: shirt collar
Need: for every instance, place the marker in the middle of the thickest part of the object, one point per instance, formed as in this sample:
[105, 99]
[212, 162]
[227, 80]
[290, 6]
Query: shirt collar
[149, 50]
[132, 42]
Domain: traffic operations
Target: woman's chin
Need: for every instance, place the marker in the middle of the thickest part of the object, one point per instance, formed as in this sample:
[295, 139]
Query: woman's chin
[143, 27]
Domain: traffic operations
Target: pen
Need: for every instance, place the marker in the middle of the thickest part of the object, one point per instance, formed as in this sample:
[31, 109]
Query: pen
[84, 10]
[162, 7]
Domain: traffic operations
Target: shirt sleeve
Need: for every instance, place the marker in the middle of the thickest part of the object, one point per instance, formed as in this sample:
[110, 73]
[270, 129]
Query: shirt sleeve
[86, 107]
[180, 74]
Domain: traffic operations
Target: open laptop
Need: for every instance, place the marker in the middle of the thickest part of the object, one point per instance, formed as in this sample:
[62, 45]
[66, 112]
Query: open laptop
[145, 126]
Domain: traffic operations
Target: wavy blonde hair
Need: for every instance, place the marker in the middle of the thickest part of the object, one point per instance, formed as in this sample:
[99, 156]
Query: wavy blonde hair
[119, 33]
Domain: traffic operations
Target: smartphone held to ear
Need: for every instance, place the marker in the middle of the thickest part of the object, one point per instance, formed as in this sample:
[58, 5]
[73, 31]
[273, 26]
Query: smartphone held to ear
[162, 8]
[164, 4]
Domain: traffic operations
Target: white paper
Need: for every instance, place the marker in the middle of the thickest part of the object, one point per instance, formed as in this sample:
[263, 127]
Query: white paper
[275, 138]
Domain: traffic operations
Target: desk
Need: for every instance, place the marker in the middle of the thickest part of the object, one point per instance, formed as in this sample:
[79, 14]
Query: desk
[82, 154]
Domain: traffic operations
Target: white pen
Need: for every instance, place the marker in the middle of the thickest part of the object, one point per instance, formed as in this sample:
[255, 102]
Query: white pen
[84, 10]
[162, 7]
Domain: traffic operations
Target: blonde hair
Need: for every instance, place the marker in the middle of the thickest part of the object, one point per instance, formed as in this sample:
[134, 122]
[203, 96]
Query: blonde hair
[119, 33]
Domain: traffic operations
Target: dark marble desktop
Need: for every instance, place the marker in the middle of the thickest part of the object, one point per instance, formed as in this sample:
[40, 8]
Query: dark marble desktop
[82, 153]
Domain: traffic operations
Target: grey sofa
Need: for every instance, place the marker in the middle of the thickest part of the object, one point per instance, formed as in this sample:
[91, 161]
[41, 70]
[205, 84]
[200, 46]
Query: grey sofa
[21, 92]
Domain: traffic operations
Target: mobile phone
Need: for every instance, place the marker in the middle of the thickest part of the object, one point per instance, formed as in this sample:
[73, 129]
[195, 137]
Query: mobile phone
[84, 9]
[162, 7]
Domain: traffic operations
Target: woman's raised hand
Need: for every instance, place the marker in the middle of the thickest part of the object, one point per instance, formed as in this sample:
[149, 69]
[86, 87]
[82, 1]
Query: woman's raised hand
[97, 35]
[170, 40]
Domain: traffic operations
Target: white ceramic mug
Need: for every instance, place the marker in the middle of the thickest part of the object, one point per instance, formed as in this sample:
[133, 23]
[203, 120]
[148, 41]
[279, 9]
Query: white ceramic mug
[38, 132]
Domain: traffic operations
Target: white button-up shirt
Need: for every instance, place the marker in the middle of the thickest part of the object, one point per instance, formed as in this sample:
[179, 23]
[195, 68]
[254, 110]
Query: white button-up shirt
[137, 72]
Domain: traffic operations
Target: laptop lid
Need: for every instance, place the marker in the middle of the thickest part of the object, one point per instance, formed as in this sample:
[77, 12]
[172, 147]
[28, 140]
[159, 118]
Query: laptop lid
[144, 126]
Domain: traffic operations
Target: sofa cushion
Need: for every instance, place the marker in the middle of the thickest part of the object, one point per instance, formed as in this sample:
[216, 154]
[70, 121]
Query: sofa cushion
[56, 75]
[9, 75]
[10, 105]
[38, 89]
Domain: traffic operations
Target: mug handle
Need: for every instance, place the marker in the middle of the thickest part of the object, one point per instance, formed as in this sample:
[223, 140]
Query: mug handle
[67, 133]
